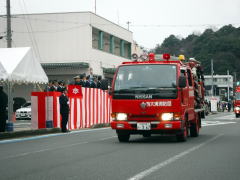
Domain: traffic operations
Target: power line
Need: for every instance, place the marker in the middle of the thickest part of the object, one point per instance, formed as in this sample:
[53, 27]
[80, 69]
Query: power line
[179, 25]
[30, 30]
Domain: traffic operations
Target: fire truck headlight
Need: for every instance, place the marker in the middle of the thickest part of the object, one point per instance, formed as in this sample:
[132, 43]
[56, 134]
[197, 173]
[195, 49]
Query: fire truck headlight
[167, 116]
[121, 116]
[237, 108]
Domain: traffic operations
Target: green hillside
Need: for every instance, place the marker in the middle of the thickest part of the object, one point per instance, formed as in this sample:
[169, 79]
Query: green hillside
[223, 46]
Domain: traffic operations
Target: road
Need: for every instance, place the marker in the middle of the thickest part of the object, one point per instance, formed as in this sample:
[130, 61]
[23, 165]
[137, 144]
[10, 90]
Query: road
[97, 154]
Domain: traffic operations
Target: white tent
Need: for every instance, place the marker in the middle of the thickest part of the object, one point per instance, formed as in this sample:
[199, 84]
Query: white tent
[20, 65]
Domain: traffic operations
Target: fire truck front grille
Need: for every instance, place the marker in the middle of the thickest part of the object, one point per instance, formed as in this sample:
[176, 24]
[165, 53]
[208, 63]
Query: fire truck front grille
[143, 116]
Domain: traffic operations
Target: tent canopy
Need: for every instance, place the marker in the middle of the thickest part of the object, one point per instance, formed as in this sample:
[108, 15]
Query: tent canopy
[21, 66]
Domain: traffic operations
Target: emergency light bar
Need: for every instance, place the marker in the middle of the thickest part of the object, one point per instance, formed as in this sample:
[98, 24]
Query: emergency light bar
[153, 57]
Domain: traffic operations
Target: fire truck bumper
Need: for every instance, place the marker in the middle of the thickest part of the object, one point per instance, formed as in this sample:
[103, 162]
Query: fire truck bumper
[153, 127]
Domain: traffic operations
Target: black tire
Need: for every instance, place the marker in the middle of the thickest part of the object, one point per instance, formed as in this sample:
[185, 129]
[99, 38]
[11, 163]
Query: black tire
[123, 137]
[237, 115]
[194, 130]
[182, 137]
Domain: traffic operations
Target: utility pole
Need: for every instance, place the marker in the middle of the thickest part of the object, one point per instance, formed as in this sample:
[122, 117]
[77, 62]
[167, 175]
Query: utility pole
[95, 6]
[9, 124]
[128, 24]
[228, 85]
[212, 76]
[9, 29]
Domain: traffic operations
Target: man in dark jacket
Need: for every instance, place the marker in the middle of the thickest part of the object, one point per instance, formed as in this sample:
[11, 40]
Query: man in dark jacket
[94, 83]
[64, 110]
[3, 113]
[87, 83]
[61, 86]
[49, 86]
[99, 82]
[55, 86]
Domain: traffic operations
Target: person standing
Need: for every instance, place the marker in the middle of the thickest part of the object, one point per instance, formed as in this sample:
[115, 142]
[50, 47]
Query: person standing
[61, 86]
[88, 83]
[99, 84]
[55, 86]
[3, 106]
[64, 110]
[94, 83]
[229, 106]
[49, 86]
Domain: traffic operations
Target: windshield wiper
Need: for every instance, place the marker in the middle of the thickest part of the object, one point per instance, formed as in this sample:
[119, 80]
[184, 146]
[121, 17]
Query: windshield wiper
[123, 91]
[160, 89]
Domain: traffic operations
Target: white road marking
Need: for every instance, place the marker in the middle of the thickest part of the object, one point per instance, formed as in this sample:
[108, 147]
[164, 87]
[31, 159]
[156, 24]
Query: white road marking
[226, 117]
[155, 168]
[103, 139]
[216, 123]
[48, 135]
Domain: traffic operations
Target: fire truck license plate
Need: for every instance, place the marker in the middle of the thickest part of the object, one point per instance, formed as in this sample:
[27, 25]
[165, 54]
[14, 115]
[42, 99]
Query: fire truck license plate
[143, 126]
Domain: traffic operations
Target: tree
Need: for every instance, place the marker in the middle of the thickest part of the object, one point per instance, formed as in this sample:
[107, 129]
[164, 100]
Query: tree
[223, 46]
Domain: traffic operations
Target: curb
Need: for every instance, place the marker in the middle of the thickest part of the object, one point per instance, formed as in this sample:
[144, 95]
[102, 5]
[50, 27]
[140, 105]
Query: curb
[9, 135]
[100, 125]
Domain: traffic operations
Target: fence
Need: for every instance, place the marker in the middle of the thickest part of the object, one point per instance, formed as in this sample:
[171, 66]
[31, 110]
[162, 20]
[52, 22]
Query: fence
[93, 107]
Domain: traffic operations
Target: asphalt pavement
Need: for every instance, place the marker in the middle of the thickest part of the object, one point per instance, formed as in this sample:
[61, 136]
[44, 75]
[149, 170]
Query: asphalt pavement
[96, 154]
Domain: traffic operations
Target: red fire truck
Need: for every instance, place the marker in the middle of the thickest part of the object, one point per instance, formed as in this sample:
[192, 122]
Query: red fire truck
[237, 102]
[160, 95]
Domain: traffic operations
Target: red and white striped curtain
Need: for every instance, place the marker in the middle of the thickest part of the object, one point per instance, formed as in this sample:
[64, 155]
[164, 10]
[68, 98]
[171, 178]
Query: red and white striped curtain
[93, 108]
[90, 109]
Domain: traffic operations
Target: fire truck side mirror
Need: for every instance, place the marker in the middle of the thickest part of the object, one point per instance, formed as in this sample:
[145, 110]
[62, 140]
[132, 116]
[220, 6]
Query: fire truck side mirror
[182, 82]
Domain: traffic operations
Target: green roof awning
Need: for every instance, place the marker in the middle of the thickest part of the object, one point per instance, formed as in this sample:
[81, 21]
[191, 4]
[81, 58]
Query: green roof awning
[65, 65]
[109, 70]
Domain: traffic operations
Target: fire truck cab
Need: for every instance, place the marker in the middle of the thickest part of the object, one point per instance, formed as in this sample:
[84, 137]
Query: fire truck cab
[237, 102]
[161, 95]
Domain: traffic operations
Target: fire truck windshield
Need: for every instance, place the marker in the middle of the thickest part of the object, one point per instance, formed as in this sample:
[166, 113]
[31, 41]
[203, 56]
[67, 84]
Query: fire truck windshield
[237, 95]
[147, 79]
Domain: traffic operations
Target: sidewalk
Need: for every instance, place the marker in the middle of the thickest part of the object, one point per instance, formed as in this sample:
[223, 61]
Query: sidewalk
[22, 125]
[22, 128]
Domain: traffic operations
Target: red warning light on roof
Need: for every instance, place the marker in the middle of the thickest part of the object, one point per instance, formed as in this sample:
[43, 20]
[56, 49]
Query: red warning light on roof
[166, 56]
[151, 57]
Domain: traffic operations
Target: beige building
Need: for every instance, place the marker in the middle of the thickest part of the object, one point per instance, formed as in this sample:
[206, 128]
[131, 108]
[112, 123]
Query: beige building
[71, 43]
[68, 44]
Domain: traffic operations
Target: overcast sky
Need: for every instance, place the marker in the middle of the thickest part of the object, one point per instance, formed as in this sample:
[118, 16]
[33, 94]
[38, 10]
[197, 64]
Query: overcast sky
[151, 20]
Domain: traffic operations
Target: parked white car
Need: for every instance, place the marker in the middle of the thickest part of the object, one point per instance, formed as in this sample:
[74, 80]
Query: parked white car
[24, 112]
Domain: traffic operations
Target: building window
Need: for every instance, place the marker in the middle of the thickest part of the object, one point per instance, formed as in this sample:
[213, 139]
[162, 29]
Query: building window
[127, 50]
[106, 41]
[111, 44]
[100, 40]
[122, 50]
[117, 46]
[95, 38]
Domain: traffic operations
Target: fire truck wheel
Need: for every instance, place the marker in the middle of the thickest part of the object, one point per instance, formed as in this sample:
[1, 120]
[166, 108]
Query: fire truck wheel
[123, 137]
[237, 115]
[194, 130]
[182, 137]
